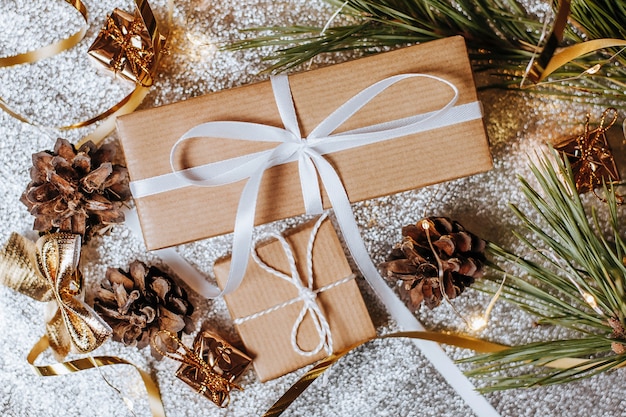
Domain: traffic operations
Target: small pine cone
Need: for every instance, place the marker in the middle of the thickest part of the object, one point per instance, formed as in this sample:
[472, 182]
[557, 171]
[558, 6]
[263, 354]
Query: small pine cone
[412, 261]
[77, 191]
[140, 302]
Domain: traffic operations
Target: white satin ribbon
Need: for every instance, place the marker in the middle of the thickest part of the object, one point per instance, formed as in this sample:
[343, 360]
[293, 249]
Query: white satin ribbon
[309, 154]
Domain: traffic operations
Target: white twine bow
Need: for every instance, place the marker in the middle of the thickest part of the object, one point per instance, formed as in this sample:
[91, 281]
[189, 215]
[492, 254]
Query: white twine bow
[309, 153]
[306, 294]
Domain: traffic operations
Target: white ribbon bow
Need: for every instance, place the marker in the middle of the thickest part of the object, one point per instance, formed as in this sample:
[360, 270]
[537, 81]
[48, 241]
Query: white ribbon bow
[309, 154]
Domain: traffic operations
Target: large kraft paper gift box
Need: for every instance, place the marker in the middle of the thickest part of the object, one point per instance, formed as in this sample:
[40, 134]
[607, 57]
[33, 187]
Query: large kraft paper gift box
[191, 213]
[267, 336]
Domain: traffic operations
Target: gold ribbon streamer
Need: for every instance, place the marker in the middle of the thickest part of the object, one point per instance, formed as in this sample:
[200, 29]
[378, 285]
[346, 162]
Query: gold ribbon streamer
[47, 271]
[64, 368]
[125, 106]
[467, 342]
[575, 51]
[549, 61]
[53, 48]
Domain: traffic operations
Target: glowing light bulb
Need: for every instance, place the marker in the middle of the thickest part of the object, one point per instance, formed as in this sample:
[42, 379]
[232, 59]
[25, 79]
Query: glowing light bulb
[128, 403]
[478, 323]
[590, 300]
[593, 70]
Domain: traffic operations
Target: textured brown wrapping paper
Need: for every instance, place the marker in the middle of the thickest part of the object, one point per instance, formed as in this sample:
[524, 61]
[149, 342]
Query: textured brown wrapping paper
[267, 338]
[405, 163]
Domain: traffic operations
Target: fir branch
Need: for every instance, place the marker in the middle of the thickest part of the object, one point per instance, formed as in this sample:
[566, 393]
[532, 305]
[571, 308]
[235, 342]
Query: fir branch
[501, 36]
[539, 356]
[575, 262]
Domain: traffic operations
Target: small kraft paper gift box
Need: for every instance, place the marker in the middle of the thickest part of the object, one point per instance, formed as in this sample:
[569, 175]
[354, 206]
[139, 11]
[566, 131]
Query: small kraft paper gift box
[276, 307]
[441, 99]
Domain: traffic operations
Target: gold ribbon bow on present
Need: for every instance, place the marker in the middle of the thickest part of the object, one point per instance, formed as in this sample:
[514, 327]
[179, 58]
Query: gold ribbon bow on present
[212, 382]
[48, 271]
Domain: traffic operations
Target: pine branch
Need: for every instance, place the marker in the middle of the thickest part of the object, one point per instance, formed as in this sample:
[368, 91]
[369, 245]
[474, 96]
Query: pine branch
[577, 282]
[500, 34]
[537, 357]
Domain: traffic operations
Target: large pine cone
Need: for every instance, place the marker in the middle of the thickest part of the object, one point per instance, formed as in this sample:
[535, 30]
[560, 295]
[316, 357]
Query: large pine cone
[76, 191]
[140, 302]
[459, 254]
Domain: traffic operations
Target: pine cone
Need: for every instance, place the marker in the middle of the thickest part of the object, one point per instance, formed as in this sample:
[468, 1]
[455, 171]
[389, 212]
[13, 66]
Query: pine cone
[412, 261]
[80, 192]
[139, 303]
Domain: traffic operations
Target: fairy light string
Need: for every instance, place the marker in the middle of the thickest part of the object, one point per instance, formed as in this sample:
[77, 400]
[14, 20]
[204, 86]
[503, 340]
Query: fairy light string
[474, 323]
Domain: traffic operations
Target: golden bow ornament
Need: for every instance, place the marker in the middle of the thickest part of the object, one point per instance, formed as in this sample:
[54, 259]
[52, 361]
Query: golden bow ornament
[48, 271]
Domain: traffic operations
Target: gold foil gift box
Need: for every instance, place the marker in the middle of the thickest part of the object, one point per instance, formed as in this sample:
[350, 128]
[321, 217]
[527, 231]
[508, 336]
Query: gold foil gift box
[211, 366]
[590, 154]
[224, 361]
[130, 44]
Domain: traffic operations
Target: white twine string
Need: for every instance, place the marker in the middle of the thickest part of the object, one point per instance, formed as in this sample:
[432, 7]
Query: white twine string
[306, 294]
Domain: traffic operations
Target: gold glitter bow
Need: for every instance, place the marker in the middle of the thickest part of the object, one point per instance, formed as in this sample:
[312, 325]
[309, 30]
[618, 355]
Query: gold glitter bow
[47, 271]
[210, 379]
[590, 155]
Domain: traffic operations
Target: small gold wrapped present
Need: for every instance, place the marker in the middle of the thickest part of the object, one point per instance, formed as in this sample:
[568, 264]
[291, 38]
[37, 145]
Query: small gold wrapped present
[590, 155]
[210, 367]
[130, 44]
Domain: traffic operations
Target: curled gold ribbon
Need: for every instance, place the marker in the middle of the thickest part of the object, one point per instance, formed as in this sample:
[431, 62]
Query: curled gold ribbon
[128, 104]
[570, 53]
[48, 271]
[549, 60]
[53, 48]
[64, 368]
[467, 342]
[218, 386]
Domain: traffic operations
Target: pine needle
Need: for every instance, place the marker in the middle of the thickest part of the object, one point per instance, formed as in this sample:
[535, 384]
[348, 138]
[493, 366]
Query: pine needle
[577, 283]
[501, 36]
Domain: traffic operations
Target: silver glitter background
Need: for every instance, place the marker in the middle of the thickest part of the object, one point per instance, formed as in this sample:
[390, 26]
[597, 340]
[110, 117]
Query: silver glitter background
[384, 378]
